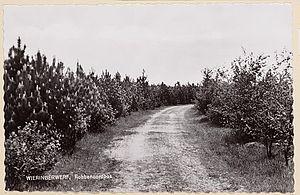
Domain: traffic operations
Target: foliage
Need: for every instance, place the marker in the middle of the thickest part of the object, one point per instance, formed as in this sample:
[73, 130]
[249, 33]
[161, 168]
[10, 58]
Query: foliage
[256, 100]
[30, 151]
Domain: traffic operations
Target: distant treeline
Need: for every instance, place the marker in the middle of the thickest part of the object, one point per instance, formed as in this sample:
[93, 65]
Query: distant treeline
[255, 98]
[48, 109]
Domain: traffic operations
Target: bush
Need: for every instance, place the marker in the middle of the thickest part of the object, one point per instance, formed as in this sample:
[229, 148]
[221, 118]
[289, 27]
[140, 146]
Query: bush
[82, 122]
[30, 151]
[100, 118]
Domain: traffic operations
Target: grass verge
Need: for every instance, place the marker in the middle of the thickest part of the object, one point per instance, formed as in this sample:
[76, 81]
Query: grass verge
[244, 166]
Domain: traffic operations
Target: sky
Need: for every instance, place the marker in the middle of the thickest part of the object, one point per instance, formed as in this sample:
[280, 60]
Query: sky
[171, 42]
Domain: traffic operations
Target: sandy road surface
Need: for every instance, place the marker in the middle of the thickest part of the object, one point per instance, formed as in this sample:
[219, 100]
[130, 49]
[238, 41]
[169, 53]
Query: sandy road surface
[159, 156]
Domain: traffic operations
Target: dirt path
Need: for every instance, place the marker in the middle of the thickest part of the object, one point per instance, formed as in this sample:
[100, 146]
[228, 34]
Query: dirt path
[160, 156]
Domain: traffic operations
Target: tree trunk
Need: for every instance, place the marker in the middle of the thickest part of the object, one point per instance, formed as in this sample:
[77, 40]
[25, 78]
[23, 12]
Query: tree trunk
[269, 149]
[286, 156]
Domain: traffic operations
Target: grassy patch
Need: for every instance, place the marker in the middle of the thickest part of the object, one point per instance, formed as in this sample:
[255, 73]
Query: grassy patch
[89, 158]
[241, 165]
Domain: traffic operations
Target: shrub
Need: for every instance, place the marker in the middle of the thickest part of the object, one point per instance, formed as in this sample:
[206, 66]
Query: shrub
[30, 151]
[100, 118]
[82, 122]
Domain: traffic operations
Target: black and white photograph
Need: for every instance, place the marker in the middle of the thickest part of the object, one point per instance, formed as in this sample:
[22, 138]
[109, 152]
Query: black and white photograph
[148, 97]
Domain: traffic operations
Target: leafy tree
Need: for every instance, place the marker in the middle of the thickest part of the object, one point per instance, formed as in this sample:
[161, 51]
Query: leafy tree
[256, 100]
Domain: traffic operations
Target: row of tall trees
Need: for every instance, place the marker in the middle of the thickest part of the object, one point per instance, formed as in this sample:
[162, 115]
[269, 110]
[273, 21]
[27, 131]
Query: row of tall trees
[49, 108]
[254, 97]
